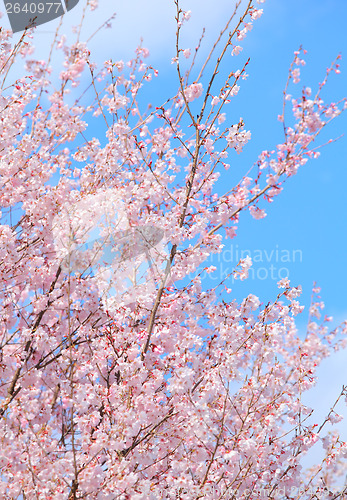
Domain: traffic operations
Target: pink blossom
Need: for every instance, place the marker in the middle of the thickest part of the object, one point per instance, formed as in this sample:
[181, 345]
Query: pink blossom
[93, 4]
[241, 34]
[236, 50]
[256, 14]
[283, 283]
[193, 91]
[296, 75]
[237, 137]
[186, 15]
[334, 418]
[256, 212]
[245, 264]
[215, 101]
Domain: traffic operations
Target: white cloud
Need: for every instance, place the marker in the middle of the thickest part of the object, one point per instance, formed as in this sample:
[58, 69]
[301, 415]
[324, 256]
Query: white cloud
[152, 20]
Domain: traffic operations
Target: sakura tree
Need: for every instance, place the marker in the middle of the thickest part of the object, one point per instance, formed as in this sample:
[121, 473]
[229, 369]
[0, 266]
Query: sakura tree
[122, 376]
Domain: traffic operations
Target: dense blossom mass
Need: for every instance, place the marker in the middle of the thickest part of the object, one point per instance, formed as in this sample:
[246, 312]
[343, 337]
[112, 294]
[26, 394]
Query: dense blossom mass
[123, 375]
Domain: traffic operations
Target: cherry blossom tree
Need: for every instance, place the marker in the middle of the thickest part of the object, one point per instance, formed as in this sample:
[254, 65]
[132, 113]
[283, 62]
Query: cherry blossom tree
[123, 375]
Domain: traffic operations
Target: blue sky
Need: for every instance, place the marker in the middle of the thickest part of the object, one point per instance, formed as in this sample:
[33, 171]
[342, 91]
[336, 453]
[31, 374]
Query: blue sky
[310, 214]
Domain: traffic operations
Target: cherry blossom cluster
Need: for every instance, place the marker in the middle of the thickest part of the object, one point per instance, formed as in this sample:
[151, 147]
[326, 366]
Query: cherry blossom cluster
[123, 374]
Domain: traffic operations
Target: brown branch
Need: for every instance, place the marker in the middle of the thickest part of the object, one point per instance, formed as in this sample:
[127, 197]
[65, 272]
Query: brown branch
[12, 392]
